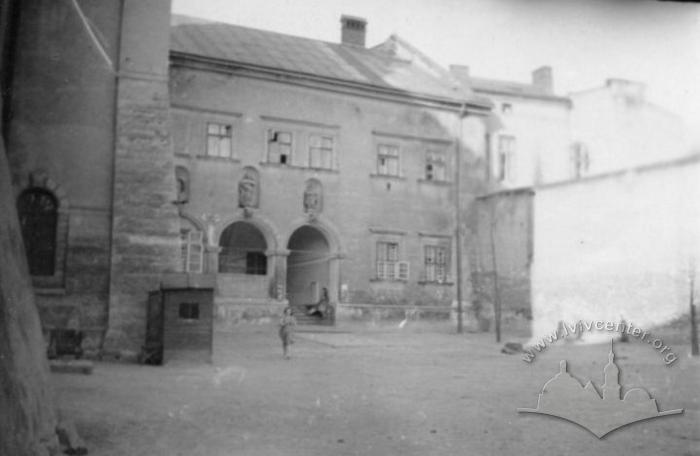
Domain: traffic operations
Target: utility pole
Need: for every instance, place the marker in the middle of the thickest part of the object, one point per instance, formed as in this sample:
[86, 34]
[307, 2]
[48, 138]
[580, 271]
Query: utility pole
[458, 217]
[694, 349]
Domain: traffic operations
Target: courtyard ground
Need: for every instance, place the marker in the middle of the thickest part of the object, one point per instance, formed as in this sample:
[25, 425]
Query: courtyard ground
[420, 390]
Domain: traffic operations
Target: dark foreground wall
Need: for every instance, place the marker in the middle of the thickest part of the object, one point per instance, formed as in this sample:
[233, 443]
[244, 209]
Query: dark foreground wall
[27, 418]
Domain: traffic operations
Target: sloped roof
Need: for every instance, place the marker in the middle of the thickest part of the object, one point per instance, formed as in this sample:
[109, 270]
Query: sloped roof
[513, 88]
[262, 49]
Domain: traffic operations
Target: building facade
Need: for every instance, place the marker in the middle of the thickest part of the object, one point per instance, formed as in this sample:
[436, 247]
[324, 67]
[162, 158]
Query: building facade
[273, 166]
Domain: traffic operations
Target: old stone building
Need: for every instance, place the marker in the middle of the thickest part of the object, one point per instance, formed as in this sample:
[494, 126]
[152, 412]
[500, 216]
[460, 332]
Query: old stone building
[274, 166]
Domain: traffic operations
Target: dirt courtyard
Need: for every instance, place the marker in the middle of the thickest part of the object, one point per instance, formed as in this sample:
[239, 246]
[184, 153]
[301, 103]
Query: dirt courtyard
[370, 391]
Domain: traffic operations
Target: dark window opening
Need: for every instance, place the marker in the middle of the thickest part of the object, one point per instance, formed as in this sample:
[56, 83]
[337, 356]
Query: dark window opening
[38, 216]
[255, 263]
[189, 311]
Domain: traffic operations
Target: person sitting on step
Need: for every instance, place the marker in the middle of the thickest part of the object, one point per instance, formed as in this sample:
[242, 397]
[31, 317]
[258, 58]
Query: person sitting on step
[320, 309]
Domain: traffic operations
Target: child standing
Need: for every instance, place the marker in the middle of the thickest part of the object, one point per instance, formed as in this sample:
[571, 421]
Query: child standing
[286, 332]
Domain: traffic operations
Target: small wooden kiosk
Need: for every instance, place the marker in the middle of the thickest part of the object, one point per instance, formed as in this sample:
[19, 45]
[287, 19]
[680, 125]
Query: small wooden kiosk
[180, 320]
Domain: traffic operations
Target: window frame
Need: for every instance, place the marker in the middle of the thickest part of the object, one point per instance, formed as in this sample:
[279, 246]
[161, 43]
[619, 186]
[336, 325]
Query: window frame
[217, 138]
[435, 268]
[433, 157]
[192, 246]
[382, 154]
[388, 265]
[271, 138]
[322, 150]
[505, 163]
[580, 160]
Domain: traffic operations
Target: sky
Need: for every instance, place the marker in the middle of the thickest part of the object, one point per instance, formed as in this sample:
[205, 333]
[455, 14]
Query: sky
[584, 41]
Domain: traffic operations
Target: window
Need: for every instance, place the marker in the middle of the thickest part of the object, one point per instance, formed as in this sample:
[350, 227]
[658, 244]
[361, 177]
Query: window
[436, 264]
[388, 265]
[279, 147]
[506, 108]
[188, 311]
[580, 160]
[387, 160]
[506, 158]
[38, 217]
[320, 151]
[435, 167]
[219, 140]
[182, 179]
[191, 242]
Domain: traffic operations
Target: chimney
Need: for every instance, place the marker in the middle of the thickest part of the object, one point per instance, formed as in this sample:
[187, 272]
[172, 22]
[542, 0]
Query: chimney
[461, 72]
[353, 30]
[542, 78]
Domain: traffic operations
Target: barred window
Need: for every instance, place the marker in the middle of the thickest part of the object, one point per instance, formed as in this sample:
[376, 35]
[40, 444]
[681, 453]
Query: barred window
[436, 263]
[219, 140]
[388, 265]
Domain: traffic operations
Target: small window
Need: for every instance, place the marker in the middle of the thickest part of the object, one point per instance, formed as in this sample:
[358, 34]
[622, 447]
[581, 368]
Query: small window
[219, 140]
[435, 166]
[387, 160]
[580, 160]
[436, 263]
[320, 151]
[38, 218]
[506, 108]
[506, 158]
[188, 311]
[279, 147]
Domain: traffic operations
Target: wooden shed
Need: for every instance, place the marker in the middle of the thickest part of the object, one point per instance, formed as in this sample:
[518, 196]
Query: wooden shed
[179, 324]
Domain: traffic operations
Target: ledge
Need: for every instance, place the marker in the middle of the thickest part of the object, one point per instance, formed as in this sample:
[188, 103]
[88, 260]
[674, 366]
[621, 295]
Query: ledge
[297, 167]
[436, 183]
[217, 159]
[47, 291]
[387, 176]
[433, 282]
[374, 279]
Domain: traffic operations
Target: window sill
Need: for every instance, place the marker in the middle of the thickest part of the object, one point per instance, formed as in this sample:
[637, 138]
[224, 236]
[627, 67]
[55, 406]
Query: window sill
[218, 159]
[376, 279]
[435, 282]
[437, 183]
[303, 168]
[387, 176]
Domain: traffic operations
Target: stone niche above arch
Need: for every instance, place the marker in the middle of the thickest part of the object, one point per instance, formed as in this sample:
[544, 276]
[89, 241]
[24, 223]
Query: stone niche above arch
[182, 181]
[313, 197]
[249, 188]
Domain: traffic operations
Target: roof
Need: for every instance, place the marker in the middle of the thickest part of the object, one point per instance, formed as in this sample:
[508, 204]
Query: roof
[513, 88]
[379, 67]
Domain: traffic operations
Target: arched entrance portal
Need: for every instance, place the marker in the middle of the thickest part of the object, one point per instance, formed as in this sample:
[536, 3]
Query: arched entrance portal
[308, 266]
[243, 249]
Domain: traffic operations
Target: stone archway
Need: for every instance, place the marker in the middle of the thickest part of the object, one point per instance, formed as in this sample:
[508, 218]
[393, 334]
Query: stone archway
[308, 266]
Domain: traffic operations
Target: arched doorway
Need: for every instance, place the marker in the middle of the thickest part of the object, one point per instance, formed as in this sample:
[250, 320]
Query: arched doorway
[308, 266]
[243, 249]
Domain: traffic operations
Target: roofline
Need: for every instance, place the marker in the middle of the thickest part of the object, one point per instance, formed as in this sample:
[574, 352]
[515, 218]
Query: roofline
[339, 85]
[506, 192]
[657, 166]
[554, 98]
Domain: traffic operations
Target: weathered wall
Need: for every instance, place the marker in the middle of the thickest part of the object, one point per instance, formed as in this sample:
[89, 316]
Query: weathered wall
[60, 137]
[27, 414]
[616, 246]
[505, 233]
[145, 237]
[359, 207]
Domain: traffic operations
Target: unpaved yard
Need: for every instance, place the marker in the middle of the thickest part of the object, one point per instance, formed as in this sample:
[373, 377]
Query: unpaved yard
[370, 392]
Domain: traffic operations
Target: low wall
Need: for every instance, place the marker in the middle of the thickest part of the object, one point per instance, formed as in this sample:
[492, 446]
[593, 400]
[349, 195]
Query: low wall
[617, 246]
